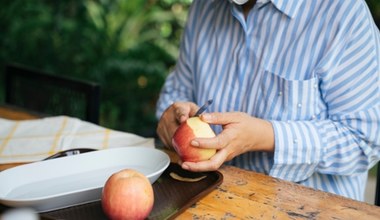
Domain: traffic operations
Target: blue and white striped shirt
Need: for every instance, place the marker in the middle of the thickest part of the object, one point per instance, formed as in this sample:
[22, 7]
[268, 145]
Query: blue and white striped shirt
[310, 67]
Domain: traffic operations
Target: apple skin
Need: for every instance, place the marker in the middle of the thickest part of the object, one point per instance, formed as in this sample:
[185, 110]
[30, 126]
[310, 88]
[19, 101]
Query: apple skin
[192, 128]
[127, 194]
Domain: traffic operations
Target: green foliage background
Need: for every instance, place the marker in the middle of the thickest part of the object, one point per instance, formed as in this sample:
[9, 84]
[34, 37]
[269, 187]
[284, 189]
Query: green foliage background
[127, 46]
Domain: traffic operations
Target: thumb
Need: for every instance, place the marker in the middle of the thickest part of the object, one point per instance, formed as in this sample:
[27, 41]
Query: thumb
[184, 110]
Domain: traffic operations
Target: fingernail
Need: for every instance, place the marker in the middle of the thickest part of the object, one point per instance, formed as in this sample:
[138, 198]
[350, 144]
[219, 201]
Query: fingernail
[182, 118]
[185, 166]
[195, 143]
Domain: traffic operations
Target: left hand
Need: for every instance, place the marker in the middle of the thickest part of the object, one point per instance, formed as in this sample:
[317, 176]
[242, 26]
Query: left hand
[241, 133]
[173, 116]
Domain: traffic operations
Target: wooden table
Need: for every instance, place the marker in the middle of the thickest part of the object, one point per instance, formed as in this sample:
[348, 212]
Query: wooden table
[249, 195]
[16, 113]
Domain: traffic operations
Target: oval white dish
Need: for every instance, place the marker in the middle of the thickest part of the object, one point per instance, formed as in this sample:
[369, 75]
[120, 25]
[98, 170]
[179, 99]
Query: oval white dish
[62, 182]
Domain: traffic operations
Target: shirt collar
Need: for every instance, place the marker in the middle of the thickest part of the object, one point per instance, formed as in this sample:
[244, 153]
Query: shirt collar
[288, 7]
[261, 3]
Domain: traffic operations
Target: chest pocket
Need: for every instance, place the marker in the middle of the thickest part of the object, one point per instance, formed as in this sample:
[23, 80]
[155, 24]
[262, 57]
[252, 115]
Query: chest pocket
[283, 99]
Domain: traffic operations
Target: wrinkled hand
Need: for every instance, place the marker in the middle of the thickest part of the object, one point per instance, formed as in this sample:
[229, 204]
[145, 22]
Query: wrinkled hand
[241, 133]
[173, 116]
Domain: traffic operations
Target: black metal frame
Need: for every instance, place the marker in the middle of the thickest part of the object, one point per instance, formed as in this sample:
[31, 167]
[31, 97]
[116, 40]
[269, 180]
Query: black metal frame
[89, 89]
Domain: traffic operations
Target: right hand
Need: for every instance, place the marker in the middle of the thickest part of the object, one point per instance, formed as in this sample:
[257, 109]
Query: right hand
[172, 117]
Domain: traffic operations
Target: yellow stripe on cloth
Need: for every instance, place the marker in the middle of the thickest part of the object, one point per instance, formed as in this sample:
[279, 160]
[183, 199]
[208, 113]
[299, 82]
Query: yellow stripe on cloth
[57, 136]
[106, 138]
[24, 155]
[47, 136]
[34, 140]
[7, 138]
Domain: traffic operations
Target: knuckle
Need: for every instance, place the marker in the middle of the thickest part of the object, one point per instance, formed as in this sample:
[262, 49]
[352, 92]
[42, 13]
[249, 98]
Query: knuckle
[177, 111]
[176, 105]
[239, 114]
[219, 142]
[214, 166]
[217, 116]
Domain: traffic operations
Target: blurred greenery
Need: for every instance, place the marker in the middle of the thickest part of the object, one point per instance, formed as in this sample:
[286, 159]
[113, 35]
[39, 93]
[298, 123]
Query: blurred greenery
[373, 171]
[126, 46]
[374, 6]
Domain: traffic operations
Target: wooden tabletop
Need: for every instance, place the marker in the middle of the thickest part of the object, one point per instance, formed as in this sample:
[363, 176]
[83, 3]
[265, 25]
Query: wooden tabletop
[250, 195]
[17, 113]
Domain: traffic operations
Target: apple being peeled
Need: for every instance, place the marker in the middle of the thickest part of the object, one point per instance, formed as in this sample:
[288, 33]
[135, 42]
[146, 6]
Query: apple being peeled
[127, 194]
[192, 128]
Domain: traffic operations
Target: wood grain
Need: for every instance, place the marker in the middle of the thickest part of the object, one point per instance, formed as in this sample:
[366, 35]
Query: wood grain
[249, 195]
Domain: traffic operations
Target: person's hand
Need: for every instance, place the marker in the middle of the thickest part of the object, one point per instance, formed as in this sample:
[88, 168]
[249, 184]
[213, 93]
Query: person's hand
[173, 116]
[241, 133]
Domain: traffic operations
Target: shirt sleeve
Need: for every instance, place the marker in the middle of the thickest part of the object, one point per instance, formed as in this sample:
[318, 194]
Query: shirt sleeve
[348, 141]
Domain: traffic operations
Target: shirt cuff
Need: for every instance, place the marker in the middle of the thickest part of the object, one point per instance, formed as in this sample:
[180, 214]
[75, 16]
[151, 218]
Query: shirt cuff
[298, 150]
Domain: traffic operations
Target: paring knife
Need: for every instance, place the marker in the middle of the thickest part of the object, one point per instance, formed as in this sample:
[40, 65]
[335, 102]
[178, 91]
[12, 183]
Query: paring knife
[203, 108]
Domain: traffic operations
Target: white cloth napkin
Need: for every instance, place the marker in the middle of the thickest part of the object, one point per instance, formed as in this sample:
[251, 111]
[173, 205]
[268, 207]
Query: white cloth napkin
[33, 140]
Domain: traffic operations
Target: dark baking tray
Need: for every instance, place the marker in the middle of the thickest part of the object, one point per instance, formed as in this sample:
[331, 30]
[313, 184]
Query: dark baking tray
[172, 197]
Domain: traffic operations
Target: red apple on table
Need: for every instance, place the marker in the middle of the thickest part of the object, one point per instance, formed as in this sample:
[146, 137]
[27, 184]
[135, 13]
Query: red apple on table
[127, 194]
[192, 128]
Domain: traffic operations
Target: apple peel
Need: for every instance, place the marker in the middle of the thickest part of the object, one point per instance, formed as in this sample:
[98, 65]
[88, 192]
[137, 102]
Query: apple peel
[186, 179]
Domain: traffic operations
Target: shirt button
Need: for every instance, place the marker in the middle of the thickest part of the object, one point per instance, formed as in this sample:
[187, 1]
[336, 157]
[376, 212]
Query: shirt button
[299, 105]
[295, 141]
[315, 86]
[313, 117]
[280, 94]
